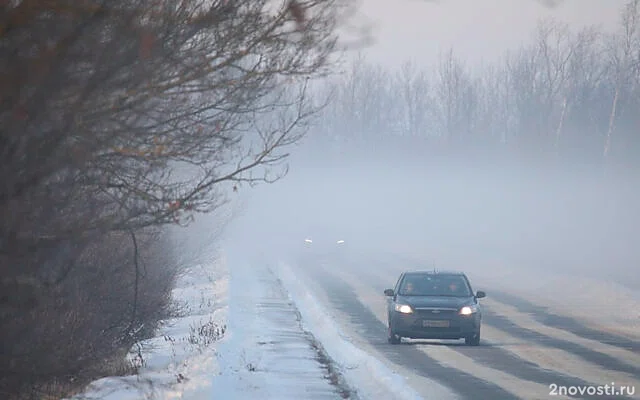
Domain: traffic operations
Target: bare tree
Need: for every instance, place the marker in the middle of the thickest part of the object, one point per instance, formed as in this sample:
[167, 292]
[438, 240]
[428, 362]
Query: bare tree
[494, 118]
[143, 109]
[624, 62]
[455, 93]
[415, 93]
[120, 116]
[579, 122]
[365, 105]
[378, 100]
[540, 74]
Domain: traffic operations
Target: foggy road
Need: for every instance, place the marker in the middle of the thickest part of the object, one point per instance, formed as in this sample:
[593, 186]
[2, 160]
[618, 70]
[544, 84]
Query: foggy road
[524, 352]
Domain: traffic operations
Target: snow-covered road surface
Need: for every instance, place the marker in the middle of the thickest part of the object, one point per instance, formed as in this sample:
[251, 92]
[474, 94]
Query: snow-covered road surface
[525, 348]
[367, 376]
[315, 328]
[266, 353]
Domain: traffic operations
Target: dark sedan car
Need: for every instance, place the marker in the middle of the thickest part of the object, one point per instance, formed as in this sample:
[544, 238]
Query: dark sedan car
[434, 305]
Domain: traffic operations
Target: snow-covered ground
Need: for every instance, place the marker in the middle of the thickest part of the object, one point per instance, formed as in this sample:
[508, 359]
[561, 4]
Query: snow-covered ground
[180, 361]
[244, 335]
[258, 328]
[267, 354]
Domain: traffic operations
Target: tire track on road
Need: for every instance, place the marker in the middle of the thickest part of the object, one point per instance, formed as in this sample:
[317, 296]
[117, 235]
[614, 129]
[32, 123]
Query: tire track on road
[542, 315]
[591, 345]
[488, 361]
[374, 331]
[552, 363]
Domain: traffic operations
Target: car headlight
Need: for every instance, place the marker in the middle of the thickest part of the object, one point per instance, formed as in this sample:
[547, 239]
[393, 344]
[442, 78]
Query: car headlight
[308, 241]
[340, 242]
[468, 310]
[403, 308]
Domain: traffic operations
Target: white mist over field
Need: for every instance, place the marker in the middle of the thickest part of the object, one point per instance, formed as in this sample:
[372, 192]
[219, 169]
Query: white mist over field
[582, 220]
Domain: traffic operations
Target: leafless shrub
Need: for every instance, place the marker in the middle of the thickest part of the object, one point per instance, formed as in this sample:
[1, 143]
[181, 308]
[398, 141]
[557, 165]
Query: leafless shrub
[84, 326]
[204, 334]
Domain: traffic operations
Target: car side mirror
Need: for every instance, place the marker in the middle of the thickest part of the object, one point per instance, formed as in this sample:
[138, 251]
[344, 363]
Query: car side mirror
[480, 294]
[388, 292]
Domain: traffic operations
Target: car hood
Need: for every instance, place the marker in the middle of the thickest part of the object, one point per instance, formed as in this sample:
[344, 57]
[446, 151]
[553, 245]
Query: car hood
[435, 301]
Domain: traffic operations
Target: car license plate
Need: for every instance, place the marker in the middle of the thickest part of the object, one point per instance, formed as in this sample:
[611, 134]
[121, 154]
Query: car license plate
[435, 323]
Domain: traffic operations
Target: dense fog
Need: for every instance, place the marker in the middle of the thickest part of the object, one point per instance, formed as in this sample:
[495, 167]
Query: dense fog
[529, 160]
[575, 218]
[133, 132]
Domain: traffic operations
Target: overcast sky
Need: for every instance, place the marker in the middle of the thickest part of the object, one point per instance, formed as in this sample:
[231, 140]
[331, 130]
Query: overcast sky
[476, 29]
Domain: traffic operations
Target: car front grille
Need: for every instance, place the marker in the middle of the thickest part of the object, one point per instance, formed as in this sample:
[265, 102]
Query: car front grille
[435, 312]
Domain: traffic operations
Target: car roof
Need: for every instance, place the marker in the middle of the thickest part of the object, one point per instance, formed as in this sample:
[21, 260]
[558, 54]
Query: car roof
[434, 272]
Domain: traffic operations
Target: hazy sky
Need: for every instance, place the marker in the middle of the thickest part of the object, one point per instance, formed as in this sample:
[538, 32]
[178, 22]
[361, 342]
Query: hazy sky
[476, 29]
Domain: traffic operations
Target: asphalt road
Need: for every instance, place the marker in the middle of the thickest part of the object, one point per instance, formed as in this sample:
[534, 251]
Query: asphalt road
[524, 351]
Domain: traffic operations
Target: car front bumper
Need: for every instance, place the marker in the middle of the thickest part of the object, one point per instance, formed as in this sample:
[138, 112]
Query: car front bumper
[428, 325]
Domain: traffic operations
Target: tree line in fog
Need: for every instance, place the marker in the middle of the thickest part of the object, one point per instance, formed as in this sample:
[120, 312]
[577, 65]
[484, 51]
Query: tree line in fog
[568, 93]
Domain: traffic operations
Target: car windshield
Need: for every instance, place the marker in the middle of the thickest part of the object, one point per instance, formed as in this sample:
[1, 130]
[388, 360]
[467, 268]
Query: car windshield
[434, 285]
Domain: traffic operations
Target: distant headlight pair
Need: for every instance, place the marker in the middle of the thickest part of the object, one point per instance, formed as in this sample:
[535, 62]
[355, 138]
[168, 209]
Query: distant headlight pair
[311, 241]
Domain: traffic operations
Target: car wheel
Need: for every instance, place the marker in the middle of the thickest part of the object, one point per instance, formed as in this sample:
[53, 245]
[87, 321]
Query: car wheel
[392, 337]
[473, 340]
